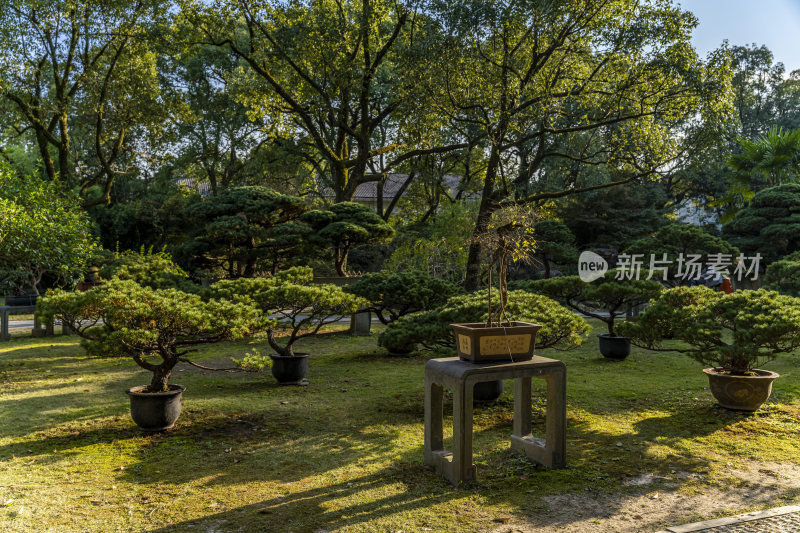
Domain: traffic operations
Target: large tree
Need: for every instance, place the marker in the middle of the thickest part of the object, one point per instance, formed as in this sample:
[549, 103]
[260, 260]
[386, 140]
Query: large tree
[80, 77]
[580, 83]
[342, 78]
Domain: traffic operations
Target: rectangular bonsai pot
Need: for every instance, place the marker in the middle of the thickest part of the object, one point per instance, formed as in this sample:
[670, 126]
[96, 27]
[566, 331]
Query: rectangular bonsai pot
[511, 341]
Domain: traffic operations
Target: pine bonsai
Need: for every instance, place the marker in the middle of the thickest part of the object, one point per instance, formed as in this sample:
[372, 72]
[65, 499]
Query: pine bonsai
[395, 294]
[155, 270]
[344, 225]
[734, 333]
[603, 295]
[561, 329]
[301, 310]
[245, 231]
[156, 328]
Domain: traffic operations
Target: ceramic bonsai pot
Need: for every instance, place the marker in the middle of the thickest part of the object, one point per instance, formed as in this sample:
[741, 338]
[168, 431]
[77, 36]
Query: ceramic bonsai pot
[741, 393]
[290, 370]
[155, 411]
[511, 341]
[614, 347]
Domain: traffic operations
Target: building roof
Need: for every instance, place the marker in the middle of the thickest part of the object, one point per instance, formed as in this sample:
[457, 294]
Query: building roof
[368, 192]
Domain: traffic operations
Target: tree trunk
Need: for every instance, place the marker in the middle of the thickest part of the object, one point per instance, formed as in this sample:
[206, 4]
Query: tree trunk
[341, 261]
[160, 378]
[485, 210]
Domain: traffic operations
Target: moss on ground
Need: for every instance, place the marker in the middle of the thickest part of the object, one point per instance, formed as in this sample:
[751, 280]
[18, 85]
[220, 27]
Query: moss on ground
[345, 452]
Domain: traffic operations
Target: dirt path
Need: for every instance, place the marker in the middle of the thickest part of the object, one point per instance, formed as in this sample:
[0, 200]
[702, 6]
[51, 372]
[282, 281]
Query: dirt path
[659, 502]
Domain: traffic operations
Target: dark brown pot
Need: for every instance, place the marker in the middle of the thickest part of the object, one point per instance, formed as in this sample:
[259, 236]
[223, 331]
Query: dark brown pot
[155, 411]
[514, 341]
[290, 370]
[614, 347]
[741, 393]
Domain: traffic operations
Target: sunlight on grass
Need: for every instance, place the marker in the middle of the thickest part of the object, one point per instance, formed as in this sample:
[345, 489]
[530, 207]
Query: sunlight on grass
[345, 452]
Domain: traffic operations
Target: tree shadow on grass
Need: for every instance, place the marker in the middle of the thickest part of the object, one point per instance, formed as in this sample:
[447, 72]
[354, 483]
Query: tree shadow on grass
[384, 494]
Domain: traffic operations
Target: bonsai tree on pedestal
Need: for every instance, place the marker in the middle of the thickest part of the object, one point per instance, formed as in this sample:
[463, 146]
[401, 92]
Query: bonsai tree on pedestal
[156, 328]
[344, 225]
[561, 328]
[508, 238]
[395, 294]
[301, 311]
[732, 333]
[605, 299]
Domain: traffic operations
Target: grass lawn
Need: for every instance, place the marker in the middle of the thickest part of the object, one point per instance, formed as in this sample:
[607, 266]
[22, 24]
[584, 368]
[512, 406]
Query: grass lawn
[646, 447]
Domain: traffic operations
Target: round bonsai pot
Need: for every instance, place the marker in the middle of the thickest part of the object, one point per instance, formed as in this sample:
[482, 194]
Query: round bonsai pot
[155, 411]
[614, 347]
[487, 391]
[289, 370]
[741, 393]
[28, 299]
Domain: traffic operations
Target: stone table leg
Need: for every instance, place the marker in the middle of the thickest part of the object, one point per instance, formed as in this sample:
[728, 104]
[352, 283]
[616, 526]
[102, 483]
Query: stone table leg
[462, 467]
[551, 451]
[522, 407]
[556, 421]
[434, 412]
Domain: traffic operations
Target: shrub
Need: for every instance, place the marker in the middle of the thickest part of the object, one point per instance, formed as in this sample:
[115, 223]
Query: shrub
[395, 294]
[606, 294]
[732, 332]
[245, 287]
[561, 329]
[122, 317]
[784, 275]
[42, 233]
[154, 270]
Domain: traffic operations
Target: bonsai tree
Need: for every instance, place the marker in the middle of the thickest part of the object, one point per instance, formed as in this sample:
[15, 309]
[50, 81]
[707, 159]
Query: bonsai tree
[674, 240]
[156, 328]
[770, 225]
[509, 237]
[154, 270]
[344, 225]
[395, 294]
[784, 275]
[734, 333]
[561, 328]
[605, 294]
[244, 288]
[242, 230]
[44, 232]
[302, 310]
